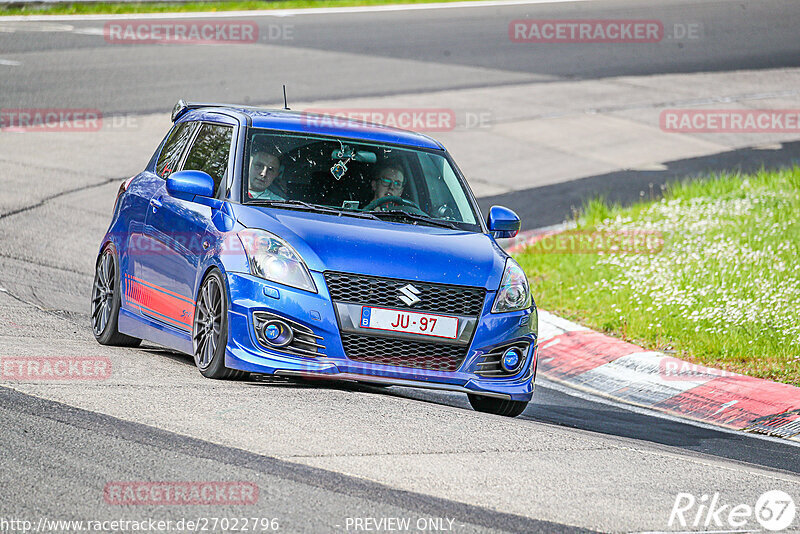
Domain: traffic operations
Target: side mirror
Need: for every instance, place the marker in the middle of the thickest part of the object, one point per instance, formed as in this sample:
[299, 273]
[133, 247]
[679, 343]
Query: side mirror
[502, 222]
[188, 184]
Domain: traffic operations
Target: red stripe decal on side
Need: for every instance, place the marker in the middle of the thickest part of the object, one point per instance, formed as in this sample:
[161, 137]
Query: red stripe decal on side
[151, 285]
[161, 303]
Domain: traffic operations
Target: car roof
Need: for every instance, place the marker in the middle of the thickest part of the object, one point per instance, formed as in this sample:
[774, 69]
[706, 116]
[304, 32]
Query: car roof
[303, 122]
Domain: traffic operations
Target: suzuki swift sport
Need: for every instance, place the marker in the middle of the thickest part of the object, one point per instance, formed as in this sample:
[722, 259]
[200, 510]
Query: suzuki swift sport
[300, 245]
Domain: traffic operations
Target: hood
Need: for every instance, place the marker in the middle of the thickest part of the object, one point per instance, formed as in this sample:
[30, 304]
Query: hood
[382, 248]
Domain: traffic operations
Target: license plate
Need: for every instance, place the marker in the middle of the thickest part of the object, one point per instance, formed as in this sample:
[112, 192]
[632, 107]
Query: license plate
[425, 324]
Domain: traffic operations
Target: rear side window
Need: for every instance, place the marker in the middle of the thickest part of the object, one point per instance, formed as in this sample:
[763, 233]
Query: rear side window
[170, 155]
[210, 151]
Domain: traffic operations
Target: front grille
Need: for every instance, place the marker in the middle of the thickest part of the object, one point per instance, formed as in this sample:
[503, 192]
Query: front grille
[403, 353]
[434, 298]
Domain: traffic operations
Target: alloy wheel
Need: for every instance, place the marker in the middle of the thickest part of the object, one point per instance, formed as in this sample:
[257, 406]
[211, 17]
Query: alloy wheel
[207, 322]
[103, 293]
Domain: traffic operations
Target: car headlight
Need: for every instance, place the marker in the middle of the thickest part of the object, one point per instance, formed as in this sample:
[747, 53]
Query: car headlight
[514, 293]
[272, 258]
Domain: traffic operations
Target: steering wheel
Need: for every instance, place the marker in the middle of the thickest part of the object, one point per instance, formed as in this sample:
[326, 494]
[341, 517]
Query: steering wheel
[397, 200]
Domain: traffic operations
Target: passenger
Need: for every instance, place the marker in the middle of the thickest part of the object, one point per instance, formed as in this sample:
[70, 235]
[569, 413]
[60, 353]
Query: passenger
[265, 167]
[388, 182]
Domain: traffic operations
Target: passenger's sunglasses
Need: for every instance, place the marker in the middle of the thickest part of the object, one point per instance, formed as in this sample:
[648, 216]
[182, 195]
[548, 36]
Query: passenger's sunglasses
[397, 184]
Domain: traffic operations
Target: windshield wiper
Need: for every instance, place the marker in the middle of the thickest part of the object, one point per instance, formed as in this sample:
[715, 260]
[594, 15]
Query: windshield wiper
[299, 204]
[414, 217]
[379, 215]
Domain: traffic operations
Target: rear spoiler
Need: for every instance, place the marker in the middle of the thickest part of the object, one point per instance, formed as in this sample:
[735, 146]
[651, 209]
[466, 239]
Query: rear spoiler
[182, 107]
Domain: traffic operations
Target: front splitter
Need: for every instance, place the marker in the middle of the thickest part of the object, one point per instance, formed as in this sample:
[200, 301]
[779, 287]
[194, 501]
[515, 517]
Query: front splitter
[390, 381]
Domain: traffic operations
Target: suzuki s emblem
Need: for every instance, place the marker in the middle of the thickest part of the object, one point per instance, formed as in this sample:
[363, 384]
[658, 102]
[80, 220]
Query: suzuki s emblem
[408, 294]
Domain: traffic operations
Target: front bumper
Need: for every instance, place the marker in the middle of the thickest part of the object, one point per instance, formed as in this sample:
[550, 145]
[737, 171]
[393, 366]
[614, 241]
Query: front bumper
[249, 294]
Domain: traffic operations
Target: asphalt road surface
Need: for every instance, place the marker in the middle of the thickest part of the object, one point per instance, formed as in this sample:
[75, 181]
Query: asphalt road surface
[326, 454]
[366, 54]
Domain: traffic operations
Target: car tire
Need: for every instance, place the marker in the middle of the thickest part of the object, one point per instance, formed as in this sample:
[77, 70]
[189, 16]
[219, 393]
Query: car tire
[106, 301]
[504, 407]
[210, 330]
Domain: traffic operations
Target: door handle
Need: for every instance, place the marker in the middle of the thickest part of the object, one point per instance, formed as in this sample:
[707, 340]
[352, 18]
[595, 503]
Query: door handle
[155, 204]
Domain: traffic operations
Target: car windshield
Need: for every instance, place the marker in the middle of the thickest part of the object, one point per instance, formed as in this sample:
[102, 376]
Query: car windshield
[355, 178]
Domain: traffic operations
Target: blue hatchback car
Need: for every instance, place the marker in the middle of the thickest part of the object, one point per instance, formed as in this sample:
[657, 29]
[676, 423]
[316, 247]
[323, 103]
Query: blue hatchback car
[299, 245]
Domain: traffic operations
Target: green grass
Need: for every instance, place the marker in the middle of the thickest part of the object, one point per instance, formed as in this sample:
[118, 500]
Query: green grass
[724, 290]
[167, 7]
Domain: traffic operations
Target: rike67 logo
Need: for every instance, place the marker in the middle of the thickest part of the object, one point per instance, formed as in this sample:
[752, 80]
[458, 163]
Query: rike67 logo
[774, 511]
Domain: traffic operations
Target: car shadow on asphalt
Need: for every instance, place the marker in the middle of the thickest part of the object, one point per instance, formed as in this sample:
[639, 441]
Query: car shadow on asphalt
[551, 407]
[163, 352]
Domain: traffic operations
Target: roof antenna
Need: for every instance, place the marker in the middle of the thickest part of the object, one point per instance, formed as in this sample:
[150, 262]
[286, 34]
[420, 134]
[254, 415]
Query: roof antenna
[285, 105]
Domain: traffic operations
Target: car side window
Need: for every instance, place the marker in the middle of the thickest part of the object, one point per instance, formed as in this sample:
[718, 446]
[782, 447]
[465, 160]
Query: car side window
[170, 155]
[210, 151]
[440, 186]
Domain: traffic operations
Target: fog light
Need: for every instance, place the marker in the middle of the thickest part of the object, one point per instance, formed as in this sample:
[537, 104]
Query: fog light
[272, 332]
[277, 333]
[511, 359]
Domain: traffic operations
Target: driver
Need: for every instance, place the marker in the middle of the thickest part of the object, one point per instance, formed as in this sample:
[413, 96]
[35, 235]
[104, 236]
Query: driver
[265, 167]
[388, 182]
